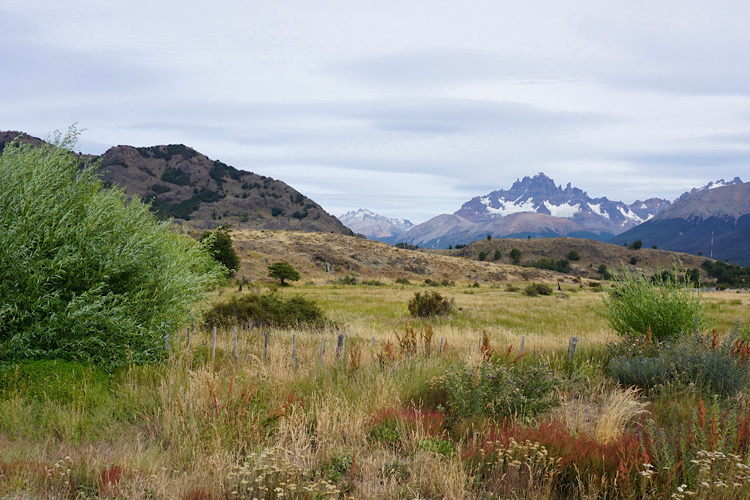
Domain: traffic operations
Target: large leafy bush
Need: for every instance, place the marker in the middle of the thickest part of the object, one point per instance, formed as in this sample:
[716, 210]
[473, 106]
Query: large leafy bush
[667, 305]
[85, 274]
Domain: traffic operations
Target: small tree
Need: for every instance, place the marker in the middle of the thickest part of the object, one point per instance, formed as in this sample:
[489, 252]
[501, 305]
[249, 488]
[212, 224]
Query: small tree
[482, 255]
[219, 245]
[573, 255]
[604, 272]
[283, 271]
[515, 254]
[636, 245]
[497, 254]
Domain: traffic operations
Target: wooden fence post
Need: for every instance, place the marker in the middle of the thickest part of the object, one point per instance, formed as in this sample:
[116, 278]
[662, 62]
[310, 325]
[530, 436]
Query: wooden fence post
[572, 347]
[523, 341]
[213, 345]
[294, 350]
[236, 353]
[441, 347]
[339, 346]
[265, 346]
[322, 342]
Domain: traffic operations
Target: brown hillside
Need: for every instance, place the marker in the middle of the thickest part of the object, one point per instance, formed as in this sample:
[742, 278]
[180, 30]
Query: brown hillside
[184, 184]
[591, 254]
[365, 259]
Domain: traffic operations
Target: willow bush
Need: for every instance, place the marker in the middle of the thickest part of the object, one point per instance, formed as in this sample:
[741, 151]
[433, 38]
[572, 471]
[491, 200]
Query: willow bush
[667, 304]
[85, 274]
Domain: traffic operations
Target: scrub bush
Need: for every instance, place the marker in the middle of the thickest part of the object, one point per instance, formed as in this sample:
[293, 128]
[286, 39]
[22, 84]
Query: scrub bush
[267, 310]
[429, 304]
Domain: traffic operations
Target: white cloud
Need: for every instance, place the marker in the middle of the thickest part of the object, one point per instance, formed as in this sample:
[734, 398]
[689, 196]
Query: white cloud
[381, 105]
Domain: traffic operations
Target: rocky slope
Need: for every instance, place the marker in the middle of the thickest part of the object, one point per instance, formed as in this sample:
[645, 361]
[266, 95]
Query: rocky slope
[720, 215]
[188, 186]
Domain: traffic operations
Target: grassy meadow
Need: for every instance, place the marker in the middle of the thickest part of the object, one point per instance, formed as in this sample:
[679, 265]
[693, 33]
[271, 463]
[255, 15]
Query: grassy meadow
[387, 418]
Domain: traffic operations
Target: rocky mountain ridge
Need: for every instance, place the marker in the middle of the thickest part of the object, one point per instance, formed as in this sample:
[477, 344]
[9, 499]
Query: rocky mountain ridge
[185, 185]
[532, 207]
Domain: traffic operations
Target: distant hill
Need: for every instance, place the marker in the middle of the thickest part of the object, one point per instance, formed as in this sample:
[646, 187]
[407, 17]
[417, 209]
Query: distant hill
[590, 255]
[188, 186]
[374, 260]
[689, 224]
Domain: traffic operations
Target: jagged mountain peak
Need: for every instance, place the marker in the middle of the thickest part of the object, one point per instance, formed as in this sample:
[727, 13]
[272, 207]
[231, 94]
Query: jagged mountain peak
[539, 194]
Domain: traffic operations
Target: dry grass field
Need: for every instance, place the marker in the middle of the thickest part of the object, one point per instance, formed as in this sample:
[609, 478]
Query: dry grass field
[295, 421]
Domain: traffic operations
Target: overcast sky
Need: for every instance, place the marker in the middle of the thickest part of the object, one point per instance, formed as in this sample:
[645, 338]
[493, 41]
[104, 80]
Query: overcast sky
[408, 108]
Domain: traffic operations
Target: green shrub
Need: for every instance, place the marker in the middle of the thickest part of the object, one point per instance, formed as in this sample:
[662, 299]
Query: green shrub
[403, 281]
[713, 366]
[429, 304]
[518, 390]
[373, 283]
[515, 254]
[445, 282]
[534, 289]
[267, 310]
[573, 255]
[636, 245]
[85, 274]
[667, 307]
[347, 280]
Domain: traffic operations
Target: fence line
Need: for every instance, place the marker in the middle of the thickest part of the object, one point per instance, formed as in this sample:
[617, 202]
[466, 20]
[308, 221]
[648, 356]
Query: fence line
[340, 343]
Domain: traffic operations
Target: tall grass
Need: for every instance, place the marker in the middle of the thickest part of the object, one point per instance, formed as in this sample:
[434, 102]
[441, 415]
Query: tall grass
[362, 426]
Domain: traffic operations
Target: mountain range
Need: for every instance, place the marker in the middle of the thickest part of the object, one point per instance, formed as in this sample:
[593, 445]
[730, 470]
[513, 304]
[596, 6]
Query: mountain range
[185, 185]
[533, 207]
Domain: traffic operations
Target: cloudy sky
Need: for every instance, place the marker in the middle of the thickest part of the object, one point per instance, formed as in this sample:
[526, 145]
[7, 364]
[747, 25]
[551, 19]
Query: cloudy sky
[408, 108]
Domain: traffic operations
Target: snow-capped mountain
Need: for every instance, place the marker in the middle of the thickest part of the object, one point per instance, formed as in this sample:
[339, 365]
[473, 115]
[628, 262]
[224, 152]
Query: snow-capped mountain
[374, 225]
[711, 185]
[540, 195]
[533, 207]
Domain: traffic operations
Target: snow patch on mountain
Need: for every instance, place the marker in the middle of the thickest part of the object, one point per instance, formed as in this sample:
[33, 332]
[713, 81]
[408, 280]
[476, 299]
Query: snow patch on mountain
[597, 209]
[565, 210]
[507, 207]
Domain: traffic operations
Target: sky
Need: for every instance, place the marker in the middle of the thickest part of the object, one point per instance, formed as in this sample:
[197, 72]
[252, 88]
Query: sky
[408, 108]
